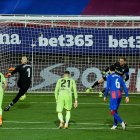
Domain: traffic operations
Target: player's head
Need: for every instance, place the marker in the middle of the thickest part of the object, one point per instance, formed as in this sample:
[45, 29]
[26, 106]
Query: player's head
[112, 68]
[66, 73]
[122, 61]
[24, 60]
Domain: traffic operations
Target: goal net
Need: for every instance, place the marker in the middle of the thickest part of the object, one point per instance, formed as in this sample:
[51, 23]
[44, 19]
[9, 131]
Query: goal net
[83, 45]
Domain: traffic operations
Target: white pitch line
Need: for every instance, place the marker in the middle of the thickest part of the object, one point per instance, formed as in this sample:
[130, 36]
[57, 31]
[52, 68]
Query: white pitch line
[79, 123]
[80, 103]
[18, 122]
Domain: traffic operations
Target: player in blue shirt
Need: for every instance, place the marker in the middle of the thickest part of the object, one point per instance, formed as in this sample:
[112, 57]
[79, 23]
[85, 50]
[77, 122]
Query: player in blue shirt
[115, 84]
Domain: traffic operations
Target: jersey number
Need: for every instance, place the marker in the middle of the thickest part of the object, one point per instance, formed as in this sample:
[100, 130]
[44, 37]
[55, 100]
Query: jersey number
[29, 72]
[63, 84]
[117, 83]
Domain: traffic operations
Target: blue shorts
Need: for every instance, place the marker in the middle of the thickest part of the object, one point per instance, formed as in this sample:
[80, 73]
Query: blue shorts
[115, 103]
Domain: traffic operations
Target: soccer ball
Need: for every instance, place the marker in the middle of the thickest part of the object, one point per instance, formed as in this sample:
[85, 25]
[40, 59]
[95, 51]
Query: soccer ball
[88, 90]
[23, 97]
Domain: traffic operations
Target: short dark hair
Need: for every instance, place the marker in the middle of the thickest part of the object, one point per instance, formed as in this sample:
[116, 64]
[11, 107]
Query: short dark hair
[112, 68]
[67, 72]
[123, 58]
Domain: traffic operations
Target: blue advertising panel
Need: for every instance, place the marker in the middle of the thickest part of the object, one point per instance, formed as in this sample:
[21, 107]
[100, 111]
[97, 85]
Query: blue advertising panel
[72, 41]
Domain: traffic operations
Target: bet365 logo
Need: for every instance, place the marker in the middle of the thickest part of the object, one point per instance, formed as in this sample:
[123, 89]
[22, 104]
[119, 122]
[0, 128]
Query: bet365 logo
[131, 42]
[66, 41]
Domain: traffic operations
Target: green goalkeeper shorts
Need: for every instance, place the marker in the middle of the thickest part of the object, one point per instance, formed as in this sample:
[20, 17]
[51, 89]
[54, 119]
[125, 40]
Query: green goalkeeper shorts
[64, 101]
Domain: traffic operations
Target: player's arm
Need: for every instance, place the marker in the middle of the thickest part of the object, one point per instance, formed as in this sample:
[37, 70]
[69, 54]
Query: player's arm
[125, 90]
[75, 94]
[107, 88]
[126, 75]
[4, 82]
[12, 71]
[5, 85]
[57, 89]
[17, 69]
[107, 68]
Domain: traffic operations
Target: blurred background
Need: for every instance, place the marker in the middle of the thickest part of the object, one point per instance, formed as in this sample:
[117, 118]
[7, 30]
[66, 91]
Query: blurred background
[71, 7]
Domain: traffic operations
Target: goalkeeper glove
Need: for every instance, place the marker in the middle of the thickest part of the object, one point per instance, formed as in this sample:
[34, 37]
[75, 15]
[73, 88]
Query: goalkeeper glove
[7, 75]
[11, 69]
[103, 73]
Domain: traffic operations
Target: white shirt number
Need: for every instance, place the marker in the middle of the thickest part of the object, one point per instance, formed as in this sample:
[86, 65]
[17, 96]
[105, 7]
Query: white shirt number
[117, 83]
[29, 72]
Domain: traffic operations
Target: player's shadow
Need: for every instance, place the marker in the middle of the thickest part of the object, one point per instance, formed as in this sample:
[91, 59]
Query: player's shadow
[108, 122]
[23, 105]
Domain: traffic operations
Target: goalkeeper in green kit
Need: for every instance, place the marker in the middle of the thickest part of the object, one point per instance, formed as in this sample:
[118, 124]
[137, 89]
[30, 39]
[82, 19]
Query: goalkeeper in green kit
[63, 94]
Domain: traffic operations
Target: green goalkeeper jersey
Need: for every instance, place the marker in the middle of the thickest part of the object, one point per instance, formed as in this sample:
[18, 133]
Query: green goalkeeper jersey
[65, 86]
[2, 79]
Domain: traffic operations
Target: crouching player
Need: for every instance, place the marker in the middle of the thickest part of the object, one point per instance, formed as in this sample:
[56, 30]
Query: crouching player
[114, 84]
[63, 95]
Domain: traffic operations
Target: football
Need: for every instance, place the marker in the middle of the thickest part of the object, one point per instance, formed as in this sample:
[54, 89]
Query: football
[23, 97]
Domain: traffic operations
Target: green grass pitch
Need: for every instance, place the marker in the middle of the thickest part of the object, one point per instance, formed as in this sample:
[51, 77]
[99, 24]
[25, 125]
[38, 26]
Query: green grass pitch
[36, 119]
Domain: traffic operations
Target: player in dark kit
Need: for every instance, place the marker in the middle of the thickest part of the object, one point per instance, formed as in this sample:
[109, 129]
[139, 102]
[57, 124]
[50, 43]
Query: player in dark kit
[121, 68]
[24, 81]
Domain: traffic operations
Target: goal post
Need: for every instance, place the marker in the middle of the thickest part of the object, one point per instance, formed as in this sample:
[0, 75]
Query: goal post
[84, 45]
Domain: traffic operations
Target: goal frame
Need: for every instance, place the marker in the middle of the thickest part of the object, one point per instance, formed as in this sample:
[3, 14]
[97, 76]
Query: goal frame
[108, 21]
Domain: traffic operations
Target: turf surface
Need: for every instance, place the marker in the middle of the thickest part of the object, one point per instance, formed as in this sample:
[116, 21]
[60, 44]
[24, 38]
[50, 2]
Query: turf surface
[36, 119]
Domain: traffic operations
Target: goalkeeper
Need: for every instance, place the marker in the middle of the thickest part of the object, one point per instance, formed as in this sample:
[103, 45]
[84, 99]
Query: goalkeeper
[2, 81]
[121, 68]
[24, 81]
[63, 95]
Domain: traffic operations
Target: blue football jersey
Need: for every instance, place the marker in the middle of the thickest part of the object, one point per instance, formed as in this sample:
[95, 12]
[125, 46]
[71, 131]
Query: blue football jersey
[115, 84]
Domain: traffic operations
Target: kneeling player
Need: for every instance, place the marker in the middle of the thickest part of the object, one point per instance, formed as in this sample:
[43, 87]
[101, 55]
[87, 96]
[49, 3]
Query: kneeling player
[114, 84]
[63, 95]
[24, 81]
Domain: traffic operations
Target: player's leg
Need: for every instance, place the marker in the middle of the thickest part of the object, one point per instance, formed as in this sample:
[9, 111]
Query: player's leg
[98, 82]
[95, 84]
[103, 91]
[68, 106]
[21, 92]
[123, 123]
[68, 115]
[25, 88]
[1, 99]
[114, 105]
[115, 120]
[59, 110]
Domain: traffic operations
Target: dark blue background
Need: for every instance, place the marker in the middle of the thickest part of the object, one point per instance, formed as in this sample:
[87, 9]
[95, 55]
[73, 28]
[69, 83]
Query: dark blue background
[53, 7]
[70, 7]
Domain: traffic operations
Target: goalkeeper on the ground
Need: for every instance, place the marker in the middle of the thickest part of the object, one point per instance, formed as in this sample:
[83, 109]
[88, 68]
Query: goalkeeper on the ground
[63, 94]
